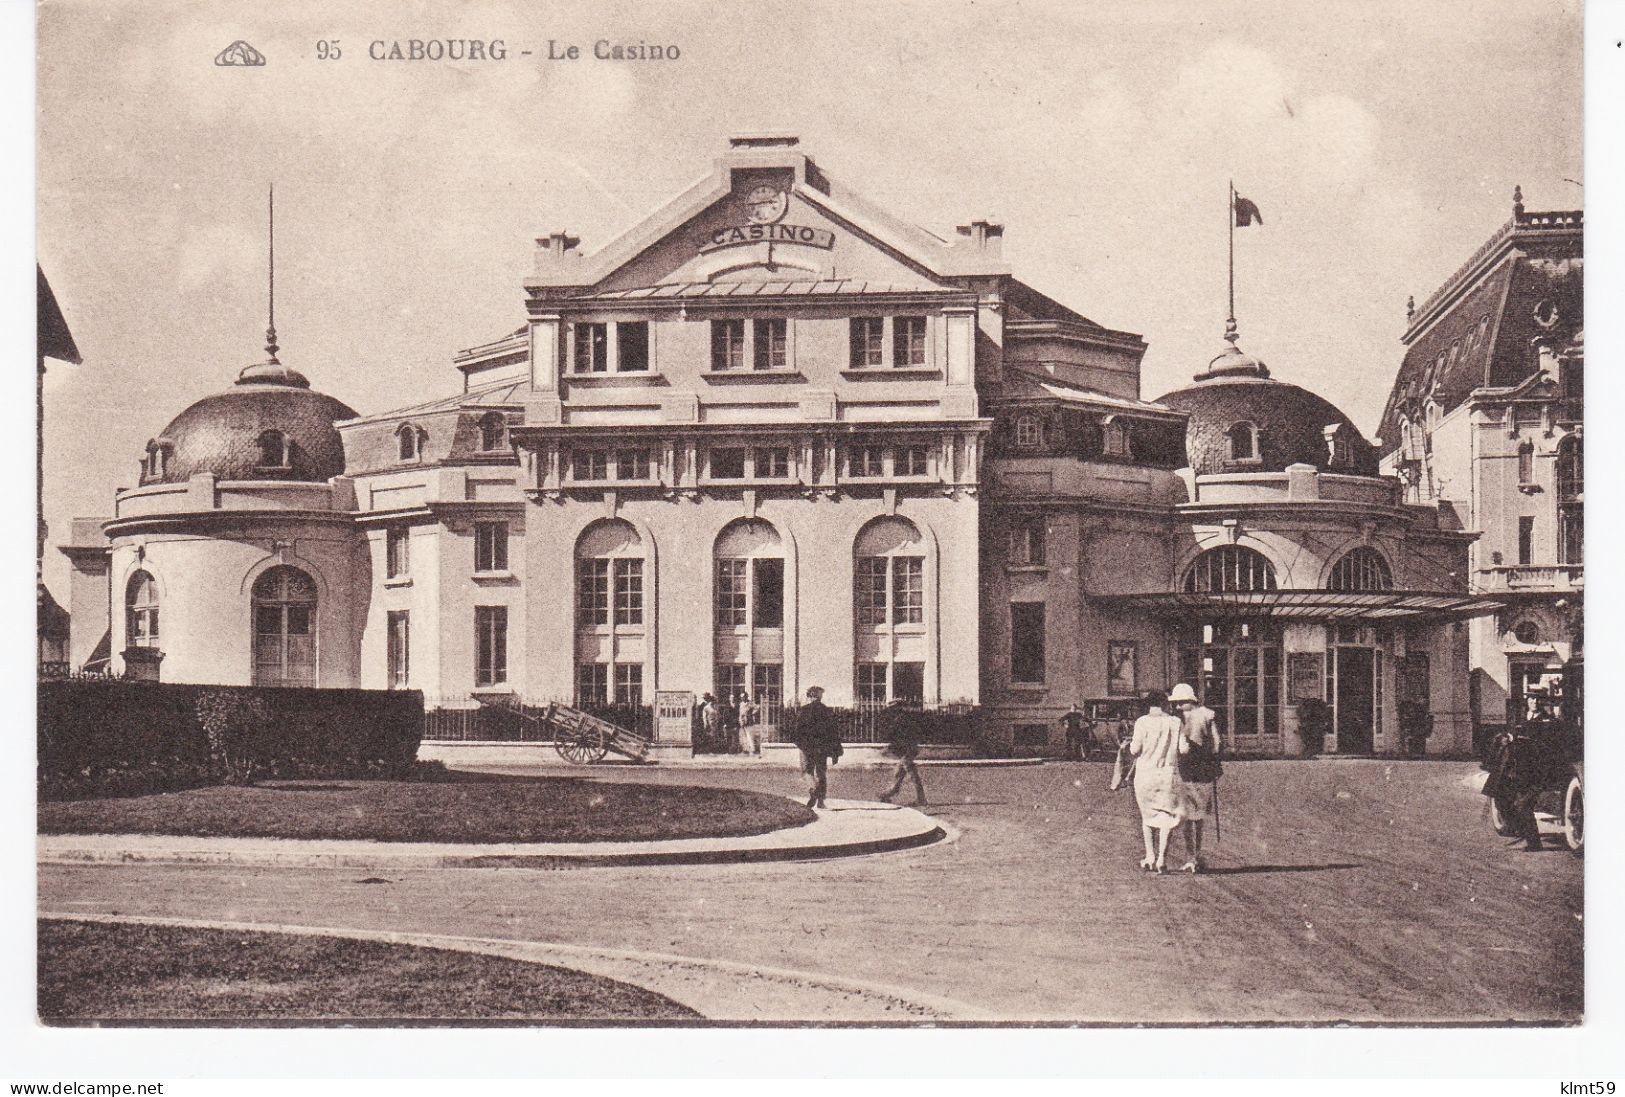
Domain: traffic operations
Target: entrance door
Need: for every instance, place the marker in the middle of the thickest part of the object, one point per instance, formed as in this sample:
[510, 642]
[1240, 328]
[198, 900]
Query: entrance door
[1356, 700]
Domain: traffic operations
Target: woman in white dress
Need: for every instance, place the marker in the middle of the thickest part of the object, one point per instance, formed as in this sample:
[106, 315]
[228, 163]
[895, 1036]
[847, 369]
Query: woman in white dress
[1155, 747]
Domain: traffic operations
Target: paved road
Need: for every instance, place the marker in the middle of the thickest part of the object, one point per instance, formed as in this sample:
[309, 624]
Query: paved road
[1343, 890]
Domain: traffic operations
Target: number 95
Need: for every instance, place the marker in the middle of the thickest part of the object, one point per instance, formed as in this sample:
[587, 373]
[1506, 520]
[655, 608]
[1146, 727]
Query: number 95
[328, 50]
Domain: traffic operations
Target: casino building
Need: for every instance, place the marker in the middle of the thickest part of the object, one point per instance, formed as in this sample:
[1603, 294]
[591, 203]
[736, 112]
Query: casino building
[775, 437]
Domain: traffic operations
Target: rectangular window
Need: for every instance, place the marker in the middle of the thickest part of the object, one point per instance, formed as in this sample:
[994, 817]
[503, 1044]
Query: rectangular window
[866, 461]
[400, 649]
[1526, 464]
[728, 463]
[1027, 642]
[870, 589]
[398, 553]
[868, 342]
[629, 683]
[872, 683]
[1571, 534]
[1027, 542]
[772, 349]
[908, 590]
[733, 595]
[490, 546]
[592, 683]
[729, 680]
[773, 463]
[491, 645]
[632, 346]
[592, 592]
[908, 341]
[767, 689]
[910, 461]
[632, 464]
[727, 344]
[592, 348]
[768, 593]
[1526, 541]
[589, 464]
[628, 592]
[908, 682]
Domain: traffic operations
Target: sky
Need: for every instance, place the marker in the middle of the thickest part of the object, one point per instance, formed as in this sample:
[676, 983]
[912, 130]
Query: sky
[1381, 141]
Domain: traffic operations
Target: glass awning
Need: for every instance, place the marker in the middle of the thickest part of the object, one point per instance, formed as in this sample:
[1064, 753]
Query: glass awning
[1392, 606]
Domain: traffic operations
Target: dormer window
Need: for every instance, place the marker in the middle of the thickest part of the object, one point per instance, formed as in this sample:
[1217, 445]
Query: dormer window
[1337, 446]
[1114, 437]
[1029, 431]
[493, 431]
[273, 450]
[1243, 441]
[157, 460]
[409, 442]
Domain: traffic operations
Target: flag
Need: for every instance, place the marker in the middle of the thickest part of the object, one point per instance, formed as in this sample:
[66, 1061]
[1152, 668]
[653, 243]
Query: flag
[1246, 212]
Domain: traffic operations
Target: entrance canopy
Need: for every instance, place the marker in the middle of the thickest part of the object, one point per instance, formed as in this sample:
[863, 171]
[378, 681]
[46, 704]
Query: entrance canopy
[1386, 606]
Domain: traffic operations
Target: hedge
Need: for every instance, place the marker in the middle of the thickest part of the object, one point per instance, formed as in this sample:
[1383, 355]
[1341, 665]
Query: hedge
[117, 737]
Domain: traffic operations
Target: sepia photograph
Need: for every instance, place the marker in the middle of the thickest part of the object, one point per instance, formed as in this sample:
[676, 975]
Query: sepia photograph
[810, 515]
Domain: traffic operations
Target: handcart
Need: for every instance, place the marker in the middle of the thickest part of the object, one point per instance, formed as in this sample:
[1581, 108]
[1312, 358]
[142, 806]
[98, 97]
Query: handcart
[580, 737]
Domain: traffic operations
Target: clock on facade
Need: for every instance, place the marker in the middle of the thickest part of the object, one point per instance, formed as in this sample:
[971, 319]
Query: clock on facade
[766, 204]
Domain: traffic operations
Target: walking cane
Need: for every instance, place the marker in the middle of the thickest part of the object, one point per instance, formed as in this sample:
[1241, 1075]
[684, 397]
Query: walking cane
[1216, 835]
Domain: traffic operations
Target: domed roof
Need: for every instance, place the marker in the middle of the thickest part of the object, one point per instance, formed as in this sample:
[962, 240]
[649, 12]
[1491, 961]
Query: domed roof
[1292, 425]
[240, 434]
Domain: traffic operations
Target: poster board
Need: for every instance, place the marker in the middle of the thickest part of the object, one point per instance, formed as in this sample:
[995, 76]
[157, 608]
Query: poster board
[1305, 676]
[674, 716]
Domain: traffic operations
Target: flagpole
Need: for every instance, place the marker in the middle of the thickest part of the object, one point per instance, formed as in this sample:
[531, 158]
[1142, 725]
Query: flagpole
[1230, 219]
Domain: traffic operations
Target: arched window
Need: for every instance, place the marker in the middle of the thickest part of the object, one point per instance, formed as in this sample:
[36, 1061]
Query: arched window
[410, 442]
[1029, 431]
[610, 629]
[748, 612]
[273, 450]
[1361, 569]
[1243, 442]
[1570, 468]
[1526, 632]
[1114, 437]
[284, 628]
[493, 431]
[141, 612]
[1405, 450]
[1229, 568]
[889, 611]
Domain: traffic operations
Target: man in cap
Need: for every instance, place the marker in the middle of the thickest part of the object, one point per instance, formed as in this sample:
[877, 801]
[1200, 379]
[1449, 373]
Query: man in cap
[820, 743]
[903, 743]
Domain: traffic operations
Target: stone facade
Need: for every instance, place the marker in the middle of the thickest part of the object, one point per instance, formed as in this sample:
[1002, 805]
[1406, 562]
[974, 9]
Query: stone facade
[774, 438]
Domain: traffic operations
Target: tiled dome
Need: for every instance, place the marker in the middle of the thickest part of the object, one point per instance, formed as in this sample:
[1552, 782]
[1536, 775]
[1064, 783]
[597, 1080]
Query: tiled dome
[225, 433]
[1291, 422]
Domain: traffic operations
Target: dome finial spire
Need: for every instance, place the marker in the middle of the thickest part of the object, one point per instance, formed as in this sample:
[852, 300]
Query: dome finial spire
[271, 371]
[270, 314]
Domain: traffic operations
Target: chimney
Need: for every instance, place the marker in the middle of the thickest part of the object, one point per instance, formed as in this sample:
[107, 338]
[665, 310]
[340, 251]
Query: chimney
[987, 237]
[554, 248]
[764, 140]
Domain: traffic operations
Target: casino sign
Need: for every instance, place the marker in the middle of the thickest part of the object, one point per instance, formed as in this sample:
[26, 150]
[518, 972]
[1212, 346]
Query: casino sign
[764, 206]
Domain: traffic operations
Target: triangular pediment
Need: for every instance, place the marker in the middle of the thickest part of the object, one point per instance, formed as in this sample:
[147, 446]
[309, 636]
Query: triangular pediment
[767, 216]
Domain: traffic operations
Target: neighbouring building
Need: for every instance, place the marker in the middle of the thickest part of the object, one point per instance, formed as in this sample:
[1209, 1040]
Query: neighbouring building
[1486, 417]
[774, 437]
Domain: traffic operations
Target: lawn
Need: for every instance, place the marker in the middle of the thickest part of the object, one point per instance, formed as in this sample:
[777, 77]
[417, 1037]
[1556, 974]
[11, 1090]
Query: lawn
[98, 972]
[457, 807]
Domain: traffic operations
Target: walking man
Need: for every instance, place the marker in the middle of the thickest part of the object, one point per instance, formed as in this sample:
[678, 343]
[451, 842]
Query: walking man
[819, 742]
[903, 743]
[1073, 719]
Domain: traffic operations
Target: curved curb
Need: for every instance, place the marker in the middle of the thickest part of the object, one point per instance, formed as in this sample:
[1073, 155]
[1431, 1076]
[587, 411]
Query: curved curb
[681, 978]
[877, 828]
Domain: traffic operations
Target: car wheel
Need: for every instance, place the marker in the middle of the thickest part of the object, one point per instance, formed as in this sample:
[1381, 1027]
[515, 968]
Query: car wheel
[1574, 815]
[1498, 821]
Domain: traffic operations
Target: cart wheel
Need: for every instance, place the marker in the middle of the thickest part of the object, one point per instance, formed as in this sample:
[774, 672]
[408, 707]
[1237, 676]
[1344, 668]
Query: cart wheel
[581, 747]
[1498, 821]
[1574, 815]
